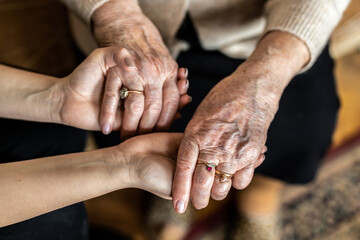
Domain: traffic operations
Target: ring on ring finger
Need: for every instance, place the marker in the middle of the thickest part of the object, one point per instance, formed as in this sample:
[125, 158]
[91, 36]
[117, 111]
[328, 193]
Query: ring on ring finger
[224, 177]
[209, 166]
[124, 92]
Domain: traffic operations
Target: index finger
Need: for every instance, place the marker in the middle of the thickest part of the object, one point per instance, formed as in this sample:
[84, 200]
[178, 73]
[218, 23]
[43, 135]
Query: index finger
[185, 166]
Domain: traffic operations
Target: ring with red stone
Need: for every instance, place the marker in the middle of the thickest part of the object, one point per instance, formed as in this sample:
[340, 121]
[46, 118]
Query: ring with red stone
[224, 177]
[209, 166]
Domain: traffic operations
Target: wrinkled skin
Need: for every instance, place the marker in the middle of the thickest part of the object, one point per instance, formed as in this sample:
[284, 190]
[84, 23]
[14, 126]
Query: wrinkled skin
[85, 92]
[121, 23]
[229, 128]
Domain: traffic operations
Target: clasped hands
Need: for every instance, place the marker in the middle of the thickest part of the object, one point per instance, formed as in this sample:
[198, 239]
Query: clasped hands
[226, 131]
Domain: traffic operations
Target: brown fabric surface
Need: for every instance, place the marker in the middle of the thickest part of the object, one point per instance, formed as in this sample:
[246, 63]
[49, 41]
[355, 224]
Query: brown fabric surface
[35, 35]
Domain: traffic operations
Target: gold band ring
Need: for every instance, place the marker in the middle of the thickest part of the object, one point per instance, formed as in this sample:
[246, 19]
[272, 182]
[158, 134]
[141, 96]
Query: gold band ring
[209, 166]
[124, 92]
[224, 177]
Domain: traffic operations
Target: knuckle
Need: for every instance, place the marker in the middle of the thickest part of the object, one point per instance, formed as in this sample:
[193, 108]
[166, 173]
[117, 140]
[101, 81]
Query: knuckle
[201, 180]
[154, 107]
[136, 108]
[172, 103]
[110, 94]
[189, 144]
[184, 166]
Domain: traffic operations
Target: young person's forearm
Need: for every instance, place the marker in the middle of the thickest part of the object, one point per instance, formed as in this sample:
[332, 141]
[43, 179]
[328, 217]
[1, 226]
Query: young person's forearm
[34, 187]
[28, 96]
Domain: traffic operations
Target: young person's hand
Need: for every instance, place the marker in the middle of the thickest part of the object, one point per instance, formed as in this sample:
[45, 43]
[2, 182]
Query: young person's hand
[150, 162]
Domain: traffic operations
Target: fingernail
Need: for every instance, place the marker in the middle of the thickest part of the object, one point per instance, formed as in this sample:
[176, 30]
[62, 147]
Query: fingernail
[180, 206]
[187, 83]
[106, 128]
[186, 72]
[190, 99]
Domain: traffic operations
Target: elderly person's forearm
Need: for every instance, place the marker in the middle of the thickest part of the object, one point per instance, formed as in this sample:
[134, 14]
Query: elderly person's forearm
[112, 12]
[282, 49]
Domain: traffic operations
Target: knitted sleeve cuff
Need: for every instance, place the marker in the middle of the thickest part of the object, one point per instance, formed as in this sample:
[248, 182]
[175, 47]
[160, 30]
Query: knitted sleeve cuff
[310, 20]
[84, 8]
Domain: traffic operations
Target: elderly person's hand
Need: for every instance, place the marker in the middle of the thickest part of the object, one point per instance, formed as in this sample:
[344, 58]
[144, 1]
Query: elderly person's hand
[91, 93]
[224, 141]
[122, 23]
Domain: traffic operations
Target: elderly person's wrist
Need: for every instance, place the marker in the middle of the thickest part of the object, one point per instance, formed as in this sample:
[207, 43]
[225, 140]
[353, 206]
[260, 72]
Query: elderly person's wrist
[278, 57]
[281, 53]
[114, 11]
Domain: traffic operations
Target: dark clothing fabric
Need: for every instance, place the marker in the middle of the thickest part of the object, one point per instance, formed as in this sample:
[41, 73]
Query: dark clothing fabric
[302, 129]
[22, 140]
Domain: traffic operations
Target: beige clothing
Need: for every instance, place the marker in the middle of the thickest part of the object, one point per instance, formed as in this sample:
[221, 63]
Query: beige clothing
[234, 26]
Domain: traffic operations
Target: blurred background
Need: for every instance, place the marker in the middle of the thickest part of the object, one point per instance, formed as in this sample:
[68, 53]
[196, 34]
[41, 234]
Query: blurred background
[35, 35]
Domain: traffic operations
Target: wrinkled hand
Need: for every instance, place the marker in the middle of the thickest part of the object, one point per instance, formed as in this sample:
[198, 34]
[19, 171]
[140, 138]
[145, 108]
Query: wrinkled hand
[152, 161]
[91, 92]
[228, 129]
[121, 23]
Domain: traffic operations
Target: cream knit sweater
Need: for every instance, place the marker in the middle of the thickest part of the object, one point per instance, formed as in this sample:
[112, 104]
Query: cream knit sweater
[234, 26]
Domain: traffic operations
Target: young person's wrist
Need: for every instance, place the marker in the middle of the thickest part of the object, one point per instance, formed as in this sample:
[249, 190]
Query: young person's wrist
[55, 95]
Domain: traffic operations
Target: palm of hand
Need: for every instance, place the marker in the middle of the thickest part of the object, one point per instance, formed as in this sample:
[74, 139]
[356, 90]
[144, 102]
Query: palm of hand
[153, 161]
[84, 90]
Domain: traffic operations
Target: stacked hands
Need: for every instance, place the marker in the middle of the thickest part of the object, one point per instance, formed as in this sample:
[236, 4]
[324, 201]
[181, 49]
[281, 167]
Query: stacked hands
[224, 134]
[227, 132]
[222, 144]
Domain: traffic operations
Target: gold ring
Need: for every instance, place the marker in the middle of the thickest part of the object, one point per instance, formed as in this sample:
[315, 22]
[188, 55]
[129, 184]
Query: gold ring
[124, 92]
[224, 177]
[210, 166]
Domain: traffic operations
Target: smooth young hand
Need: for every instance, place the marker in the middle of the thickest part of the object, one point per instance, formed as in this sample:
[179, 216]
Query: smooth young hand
[151, 161]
